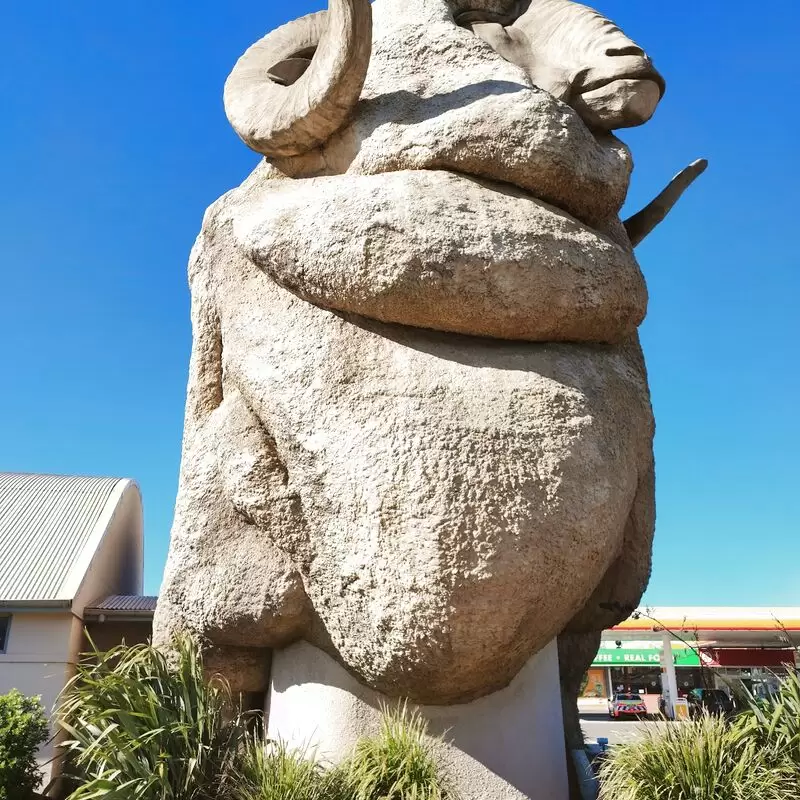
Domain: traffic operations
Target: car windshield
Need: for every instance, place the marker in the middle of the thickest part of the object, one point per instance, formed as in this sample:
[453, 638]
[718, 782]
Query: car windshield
[628, 697]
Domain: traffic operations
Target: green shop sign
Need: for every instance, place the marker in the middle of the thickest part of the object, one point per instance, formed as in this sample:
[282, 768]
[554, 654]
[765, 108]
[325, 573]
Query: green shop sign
[612, 656]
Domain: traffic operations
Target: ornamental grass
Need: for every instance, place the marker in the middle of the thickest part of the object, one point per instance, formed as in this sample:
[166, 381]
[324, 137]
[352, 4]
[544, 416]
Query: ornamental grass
[707, 758]
[400, 763]
[144, 725]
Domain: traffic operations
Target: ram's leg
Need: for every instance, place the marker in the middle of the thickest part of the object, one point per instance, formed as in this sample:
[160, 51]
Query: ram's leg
[617, 595]
[575, 654]
[227, 582]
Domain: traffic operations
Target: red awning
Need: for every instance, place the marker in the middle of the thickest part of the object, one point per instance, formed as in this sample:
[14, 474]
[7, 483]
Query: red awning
[745, 657]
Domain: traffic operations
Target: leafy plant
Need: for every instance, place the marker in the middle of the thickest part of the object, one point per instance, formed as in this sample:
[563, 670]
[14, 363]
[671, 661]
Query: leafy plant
[145, 727]
[23, 728]
[704, 759]
[399, 763]
[774, 723]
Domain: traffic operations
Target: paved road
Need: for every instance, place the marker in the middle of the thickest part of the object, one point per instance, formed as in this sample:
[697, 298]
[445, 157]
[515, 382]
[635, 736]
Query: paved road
[615, 730]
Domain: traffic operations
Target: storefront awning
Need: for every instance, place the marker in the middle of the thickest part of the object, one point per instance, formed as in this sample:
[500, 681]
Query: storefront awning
[648, 654]
[642, 654]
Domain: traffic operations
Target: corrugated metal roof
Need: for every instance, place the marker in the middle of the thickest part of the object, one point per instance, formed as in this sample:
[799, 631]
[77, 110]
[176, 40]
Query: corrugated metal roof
[45, 523]
[125, 602]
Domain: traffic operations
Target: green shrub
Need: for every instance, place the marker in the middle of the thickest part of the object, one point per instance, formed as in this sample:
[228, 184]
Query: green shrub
[399, 763]
[704, 759]
[23, 728]
[142, 727]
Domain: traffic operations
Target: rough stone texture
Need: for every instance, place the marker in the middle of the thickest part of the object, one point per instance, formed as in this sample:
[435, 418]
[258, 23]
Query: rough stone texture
[428, 491]
[418, 431]
[436, 96]
[462, 256]
[505, 746]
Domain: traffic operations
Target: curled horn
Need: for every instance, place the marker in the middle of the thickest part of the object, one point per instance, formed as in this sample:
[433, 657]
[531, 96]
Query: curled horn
[298, 85]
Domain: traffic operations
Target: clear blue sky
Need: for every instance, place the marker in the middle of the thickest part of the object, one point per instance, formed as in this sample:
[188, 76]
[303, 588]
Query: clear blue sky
[113, 141]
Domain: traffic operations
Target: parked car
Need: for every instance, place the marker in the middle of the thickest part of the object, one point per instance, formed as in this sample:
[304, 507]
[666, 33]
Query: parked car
[712, 701]
[626, 705]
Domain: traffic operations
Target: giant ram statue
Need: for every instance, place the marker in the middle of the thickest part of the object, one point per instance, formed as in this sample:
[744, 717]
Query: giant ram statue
[418, 434]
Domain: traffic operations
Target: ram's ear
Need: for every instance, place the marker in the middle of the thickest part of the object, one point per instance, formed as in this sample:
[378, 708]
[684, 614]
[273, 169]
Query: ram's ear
[642, 224]
[299, 84]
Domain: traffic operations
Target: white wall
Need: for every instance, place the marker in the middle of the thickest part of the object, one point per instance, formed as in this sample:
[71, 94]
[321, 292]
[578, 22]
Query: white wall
[117, 563]
[506, 746]
[38, 659]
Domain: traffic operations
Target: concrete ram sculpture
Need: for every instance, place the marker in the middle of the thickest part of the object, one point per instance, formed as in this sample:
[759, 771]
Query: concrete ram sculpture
[418, 434]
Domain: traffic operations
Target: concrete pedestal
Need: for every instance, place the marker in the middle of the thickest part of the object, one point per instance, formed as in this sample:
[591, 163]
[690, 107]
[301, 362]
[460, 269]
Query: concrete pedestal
[506, 746]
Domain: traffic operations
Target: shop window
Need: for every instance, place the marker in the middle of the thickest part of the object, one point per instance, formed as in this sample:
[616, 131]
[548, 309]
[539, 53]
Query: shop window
[5, 624]
[641, 680]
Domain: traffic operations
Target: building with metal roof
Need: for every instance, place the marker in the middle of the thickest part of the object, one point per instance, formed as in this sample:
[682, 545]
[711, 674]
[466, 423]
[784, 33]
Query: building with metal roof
[124, 604]
[72, 552]
[51, 527]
